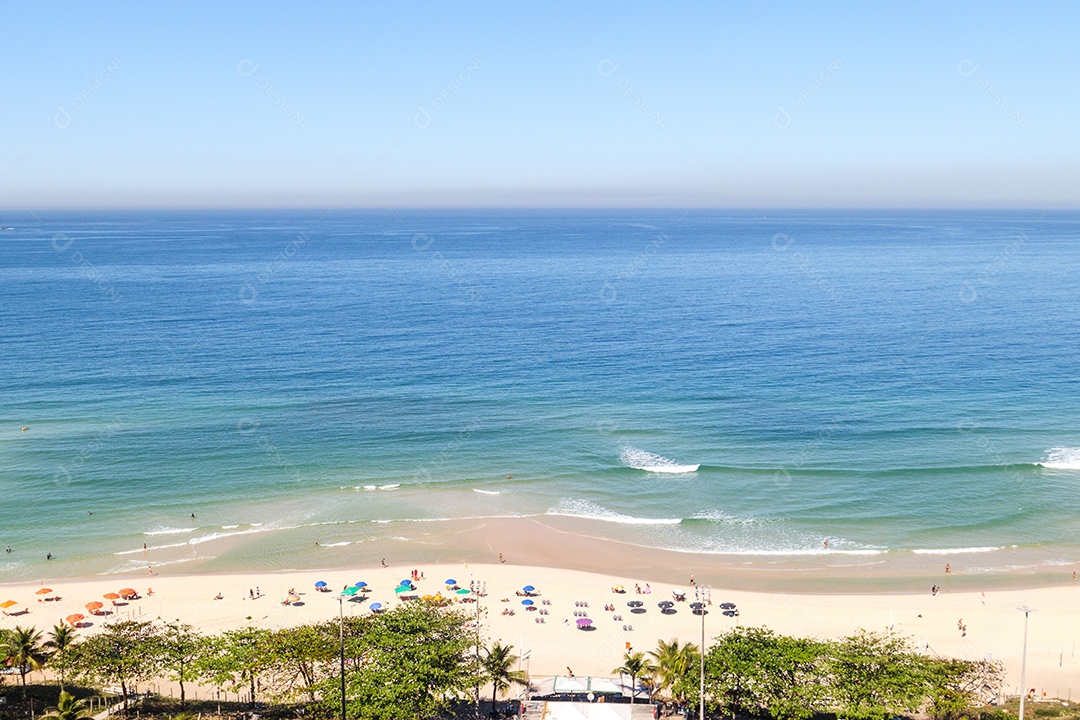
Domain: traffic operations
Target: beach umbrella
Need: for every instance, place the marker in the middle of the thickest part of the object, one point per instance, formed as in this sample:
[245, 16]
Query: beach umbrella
[320, 584]
[43, 591]
[584, 622]
[402, 589]
[376, 606]
[697, 605]
[361, 584]
[527, 602]
[665, 604]
[75, 619]
[451, 582]
[464, 591]
[111, 596]
[727, 606]
[634, 604]
[92, 606]
[350, 591]
[529, 588]
[128, 591]
[406, 582]
[8, 603]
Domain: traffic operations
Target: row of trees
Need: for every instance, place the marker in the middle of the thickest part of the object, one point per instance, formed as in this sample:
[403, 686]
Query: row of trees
[868, 676]
[416, 661]
[412, 662]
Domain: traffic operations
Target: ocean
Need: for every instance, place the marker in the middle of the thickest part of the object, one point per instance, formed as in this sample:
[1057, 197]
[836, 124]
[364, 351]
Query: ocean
[232, 387]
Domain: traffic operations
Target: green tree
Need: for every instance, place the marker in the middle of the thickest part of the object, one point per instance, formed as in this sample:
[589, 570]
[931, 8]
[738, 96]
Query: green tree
[754, 671]
[674, 663]
[23, 650]
[405, 664]
[179, 648]
[496, 664]
[958, 688]
[123, 653]
[634, 664]
[68, 708]
[301, 657]
[59, 644]
[236, 659]
[874, 675]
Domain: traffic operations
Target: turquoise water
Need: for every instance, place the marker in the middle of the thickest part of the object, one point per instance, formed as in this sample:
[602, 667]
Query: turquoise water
[895, 382]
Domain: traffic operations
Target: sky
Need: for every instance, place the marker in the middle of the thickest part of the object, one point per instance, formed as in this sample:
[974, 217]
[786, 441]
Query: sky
[540, 103]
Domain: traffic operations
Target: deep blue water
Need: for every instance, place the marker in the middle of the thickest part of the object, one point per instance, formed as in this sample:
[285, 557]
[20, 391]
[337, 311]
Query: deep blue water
[892, 381]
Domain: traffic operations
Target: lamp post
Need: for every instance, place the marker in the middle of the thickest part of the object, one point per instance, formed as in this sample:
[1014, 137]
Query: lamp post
[1023, 660]
[341, 643]
[476, 598]
[703, 596]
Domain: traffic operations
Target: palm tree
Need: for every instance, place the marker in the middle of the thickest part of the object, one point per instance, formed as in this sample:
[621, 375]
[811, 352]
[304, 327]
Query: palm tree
[634, 664]
[60, 640]
[69, 708]
[22, 649]
[673, 661]
[496, 663]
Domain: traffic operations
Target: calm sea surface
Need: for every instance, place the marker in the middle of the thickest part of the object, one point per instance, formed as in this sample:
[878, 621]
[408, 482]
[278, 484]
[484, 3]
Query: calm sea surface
[893, 382]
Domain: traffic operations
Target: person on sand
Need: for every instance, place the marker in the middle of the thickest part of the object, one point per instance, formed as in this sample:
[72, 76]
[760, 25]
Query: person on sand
[947, 568]
[569, 671]
[648, 589]
[219, 596]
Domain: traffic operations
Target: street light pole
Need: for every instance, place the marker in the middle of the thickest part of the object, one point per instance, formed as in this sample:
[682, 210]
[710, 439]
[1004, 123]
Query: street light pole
[476, 597]
[341, 642]
[1023, 661]
[703, 596]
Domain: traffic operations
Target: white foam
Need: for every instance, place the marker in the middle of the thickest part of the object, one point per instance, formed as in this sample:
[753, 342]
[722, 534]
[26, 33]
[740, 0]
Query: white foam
[369, 487]
[955, 551]
[391, 486]
[168, 531]
[591, 511]
[229, 527]
[337, 544]
[651, 462]
[486, 492]
[1062, 458]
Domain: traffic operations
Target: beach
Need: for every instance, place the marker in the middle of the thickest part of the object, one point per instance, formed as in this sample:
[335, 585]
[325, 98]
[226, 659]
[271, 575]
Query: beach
[994, 625]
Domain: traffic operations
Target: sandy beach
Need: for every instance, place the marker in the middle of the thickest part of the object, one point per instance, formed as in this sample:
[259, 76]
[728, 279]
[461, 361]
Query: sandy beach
[993, 622]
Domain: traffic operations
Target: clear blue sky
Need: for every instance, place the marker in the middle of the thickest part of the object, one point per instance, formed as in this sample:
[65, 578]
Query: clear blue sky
[882, 103]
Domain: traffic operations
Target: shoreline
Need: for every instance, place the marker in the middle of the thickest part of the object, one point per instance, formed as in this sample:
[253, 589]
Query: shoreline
[560, 542]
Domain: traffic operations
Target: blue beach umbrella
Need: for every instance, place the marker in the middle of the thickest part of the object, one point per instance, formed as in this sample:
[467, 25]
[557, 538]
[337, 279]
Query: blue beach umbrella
[405, 582]
[451, 581]
[527, 602]
[376, 606]
[528, 588]
[320, 584]
[361, 584]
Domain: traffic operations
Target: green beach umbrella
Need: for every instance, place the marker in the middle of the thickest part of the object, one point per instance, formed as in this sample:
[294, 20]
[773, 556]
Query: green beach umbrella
[350, 591]
[464, 591]
[400, 589]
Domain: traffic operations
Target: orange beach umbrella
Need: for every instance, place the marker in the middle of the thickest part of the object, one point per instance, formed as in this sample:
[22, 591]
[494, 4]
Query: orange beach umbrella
[111, 596]
[8, 603]
[75, 619]
[128, 591]
[92, 606]
[43, 591]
